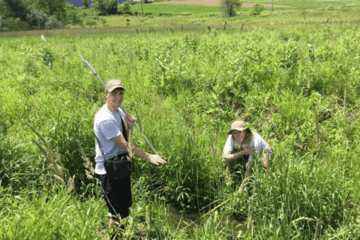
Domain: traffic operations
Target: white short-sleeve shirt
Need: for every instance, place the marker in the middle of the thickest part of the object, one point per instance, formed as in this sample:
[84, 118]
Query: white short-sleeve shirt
[107, 125]
[257, 144]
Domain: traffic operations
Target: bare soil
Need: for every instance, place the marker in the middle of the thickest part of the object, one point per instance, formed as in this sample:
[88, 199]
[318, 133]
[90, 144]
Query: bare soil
[216, 3]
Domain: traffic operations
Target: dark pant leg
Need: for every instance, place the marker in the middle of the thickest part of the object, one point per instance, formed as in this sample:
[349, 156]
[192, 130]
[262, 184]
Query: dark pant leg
[117, 194]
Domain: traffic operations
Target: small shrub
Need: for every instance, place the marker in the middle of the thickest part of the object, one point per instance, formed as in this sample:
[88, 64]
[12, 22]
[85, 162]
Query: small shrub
[164, 14]
[91, 23]
[13, 24]
[47, 56]
[257, 9]
[103, 21]
[125, 7]
[53, 23]
[289, 55]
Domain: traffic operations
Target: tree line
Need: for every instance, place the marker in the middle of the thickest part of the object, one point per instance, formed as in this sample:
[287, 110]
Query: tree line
[18, 15]
[21, 15]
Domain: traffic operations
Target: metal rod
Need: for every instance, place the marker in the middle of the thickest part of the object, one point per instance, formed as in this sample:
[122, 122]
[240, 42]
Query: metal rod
[93, 71]
[145, 138]
[102, 82]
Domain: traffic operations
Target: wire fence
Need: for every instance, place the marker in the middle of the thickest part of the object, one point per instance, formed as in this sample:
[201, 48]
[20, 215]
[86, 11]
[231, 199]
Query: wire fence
[189, 28]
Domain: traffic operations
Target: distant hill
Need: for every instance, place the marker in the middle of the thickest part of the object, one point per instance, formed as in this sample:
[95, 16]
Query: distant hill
[76, 2]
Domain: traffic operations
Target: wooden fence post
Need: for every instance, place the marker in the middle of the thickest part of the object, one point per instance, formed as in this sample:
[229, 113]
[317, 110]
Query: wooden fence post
[327, 20]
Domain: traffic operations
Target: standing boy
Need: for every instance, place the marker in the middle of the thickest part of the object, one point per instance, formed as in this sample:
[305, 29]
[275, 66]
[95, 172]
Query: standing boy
[111, 125]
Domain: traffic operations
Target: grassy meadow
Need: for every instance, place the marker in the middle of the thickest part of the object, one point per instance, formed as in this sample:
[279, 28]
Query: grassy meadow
[163, 7]
[297, 84]
[187, 17]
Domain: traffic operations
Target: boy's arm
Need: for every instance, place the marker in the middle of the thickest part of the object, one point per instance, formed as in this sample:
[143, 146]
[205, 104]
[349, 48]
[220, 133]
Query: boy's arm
[123, 144]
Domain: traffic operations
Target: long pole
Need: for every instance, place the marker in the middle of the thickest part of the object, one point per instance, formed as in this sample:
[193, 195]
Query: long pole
[102, 82]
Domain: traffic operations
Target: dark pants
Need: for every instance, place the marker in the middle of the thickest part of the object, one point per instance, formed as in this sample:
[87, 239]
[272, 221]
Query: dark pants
[117, 194]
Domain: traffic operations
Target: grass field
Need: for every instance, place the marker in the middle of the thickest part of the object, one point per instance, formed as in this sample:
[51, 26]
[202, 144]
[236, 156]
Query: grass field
[200, 17]
[309, 21]
[175, 9]
[190, 17]
[283, 6]
[293, 75]
[307, 4]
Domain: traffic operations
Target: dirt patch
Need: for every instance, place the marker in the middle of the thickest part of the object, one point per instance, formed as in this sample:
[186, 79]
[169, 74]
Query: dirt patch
[216, 3]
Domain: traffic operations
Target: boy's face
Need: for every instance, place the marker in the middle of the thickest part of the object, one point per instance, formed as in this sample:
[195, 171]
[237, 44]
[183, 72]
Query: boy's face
[115, 98]
[238, 135]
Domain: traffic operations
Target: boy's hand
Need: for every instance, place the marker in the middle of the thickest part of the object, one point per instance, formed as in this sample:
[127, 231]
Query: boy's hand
[156, 160]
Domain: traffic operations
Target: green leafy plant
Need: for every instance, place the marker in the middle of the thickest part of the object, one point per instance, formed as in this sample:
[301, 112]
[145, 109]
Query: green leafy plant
[47, 56]
[126, 7]
[256, 9]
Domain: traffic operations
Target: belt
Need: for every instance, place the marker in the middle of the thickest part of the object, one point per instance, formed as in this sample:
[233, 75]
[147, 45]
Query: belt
[119, 156]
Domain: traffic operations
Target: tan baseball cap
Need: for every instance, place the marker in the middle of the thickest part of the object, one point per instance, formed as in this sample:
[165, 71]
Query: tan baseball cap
[113, 84]
[238, 125]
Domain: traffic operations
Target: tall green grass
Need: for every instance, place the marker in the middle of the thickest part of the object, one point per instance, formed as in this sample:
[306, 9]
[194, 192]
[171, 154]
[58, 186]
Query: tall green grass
[50, 215]
[300, 196]
[298, 89]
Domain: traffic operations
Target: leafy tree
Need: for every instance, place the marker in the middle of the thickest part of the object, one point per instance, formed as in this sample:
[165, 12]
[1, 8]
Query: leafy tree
[229, 7]
[37, 19]
[14, 9]
[12, 24]
[73, 15]
[53, 23]
[105, 7]
[86, 3]
[15, 15]
[19, 15]
[54, 8]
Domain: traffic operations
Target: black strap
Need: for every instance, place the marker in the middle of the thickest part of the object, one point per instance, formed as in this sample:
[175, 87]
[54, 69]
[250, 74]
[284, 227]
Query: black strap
[123, 128]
